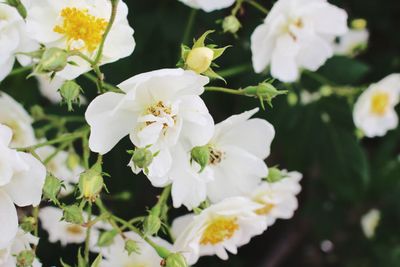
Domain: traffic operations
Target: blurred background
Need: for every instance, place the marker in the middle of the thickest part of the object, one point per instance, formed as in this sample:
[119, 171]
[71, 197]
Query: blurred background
[343, 177]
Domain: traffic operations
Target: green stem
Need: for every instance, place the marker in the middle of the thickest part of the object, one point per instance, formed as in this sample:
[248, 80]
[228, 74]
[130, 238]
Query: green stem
[237, 7]
[318, 77]
[20, 70]
[235, 70]
[107, 86]
[189, 26]
[35, 214]
[257, 6]
[88, 230]
[224, 90]
[60, 148]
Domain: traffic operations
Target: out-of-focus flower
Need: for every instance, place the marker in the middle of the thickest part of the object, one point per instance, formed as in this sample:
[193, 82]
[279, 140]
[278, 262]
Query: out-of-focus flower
[208, 5]
[15, 116]
[21, 181]
[158, 110]
[79, 26]
[374, 112]
[352, 43]
[370, 221]
[222, 227]
[296, 34]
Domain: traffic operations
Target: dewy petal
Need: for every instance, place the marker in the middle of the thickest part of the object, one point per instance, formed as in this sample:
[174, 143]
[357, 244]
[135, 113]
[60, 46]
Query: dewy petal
[109, 123]
[25, 188]
[8, 220]
[283, 64]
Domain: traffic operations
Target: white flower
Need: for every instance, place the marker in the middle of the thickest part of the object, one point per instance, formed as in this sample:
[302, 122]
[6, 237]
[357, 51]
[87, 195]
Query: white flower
[13, 39]
[279, 198]
[58, 166]
[296, 34]
[79, 25]
[158, 109]
[15, 116]
[350, 43]
[208, 5]
[374, 111]
[220, 228]
[21, 181]
[21, 242]
[116, 255]
[370, 221]
[66, 233]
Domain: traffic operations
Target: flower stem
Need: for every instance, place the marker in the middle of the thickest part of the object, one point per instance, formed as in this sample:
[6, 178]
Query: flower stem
[107, 86]
[88, 230]
[224, 90]
[257, 6]
[235, 70]
[189, 26]
[20, 70]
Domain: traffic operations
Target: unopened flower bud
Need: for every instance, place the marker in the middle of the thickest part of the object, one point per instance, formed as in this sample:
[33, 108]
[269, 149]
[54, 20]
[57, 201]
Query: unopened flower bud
[37, 112]
[28, 224]
[274, 175]
[175, 260]
[292, 99]
[51, 188]
[132, 246]
[231, 24]
[201, 155]
[91, 183]
[199, 59]
[53, 59]
[359, 24]
[25, 258]
[73, 214]
[151, 224]
[70, 92]
[264, 91]
[142, 158]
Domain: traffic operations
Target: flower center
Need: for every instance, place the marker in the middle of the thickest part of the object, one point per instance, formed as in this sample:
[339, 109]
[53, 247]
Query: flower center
[380, 103]
[74, 229]
[266, 209]
[81, 29]
[216, 156]
[163, 111]
[219, 230]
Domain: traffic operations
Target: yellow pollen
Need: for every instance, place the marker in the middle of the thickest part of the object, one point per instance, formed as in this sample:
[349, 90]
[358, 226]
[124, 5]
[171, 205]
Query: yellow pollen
[219, 230]
[266, 209]
[79, 25]
[380, 103]
[74, 229]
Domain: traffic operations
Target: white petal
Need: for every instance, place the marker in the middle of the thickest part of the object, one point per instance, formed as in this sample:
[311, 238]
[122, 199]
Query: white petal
[262, 45]
[314, 52]
[283, 64]
[8, 220]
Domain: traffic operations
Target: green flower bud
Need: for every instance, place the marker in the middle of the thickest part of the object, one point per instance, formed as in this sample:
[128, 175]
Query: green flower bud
[274, 175]
[107, 238]
[359, 24]
[292, 99]
[264, 91]
[132, 246]
[73, 161]
[151, 224]
[28, 224]
[201, 155]
[51, 188]
[199, 59]
[325, 91]
[53, 59]
[73, 214]
[231, 24]
[70, 92]
[25, 258]
[142, 158]
[175, 260]
[37, 112]
[91, 183]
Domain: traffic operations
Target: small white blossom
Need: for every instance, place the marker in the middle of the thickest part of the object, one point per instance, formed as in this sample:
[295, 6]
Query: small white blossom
[296, 34]
[278, 198]
[13, 39]
[158, 109]
[15, 116]
[208, 5]
[374, 112]
[370, 221]
[350, 43]
[21, 182]
[222, 227]
[21, 242]
[79, 26]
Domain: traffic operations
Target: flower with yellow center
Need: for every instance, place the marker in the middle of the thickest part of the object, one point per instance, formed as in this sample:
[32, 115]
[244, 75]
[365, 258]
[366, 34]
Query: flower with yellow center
[374, 111]
[222, 227]
[80, 25]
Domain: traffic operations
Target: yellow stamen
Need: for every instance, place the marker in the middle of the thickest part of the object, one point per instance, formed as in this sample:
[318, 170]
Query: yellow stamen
[74, 229]
[219, 230]
[380, 103]
[266, 209]
[79, 26]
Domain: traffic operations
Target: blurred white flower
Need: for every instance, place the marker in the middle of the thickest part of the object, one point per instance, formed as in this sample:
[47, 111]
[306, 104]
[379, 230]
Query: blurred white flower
[13, 39]
[158, 109]
[58, 166]
[374, 112]
[80, 25]
[15, 116]
[222, 227]
[21, 242]
[278, 198]
[116, 255]
[21, 182]
[64, 232]
[208, 5]
[370, 221]
[297, 34]
[352, 42]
